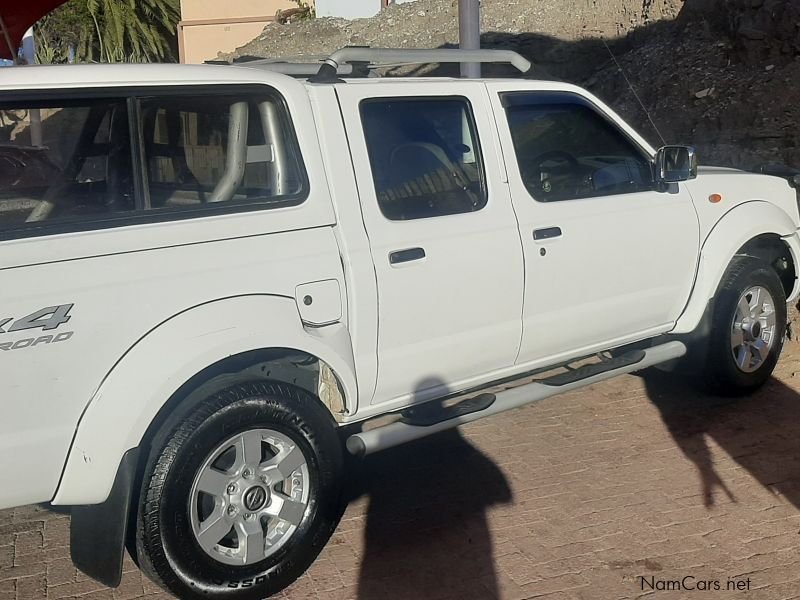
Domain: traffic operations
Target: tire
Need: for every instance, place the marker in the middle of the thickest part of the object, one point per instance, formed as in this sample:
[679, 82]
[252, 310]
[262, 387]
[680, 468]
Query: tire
[204, 472]
[728, 371]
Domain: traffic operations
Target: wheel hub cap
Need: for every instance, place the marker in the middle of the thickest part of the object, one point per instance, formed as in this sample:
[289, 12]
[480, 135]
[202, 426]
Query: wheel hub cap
[249, 497]
[753, 329]
[255, 498]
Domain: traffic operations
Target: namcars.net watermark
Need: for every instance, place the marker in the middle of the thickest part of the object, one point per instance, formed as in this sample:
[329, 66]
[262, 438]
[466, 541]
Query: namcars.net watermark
[691, 583]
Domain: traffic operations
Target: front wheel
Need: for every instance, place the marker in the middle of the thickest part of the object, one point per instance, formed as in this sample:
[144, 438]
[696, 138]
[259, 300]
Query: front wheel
[241, 494]
[748, 328]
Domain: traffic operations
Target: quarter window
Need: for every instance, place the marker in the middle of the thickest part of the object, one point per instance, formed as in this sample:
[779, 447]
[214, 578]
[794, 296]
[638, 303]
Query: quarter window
[425, 157]
[64, 162]
[92, 163]
[566, 150]
[210, 150]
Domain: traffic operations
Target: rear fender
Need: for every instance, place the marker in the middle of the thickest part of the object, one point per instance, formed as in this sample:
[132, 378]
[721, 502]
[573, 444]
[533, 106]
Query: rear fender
[155, 368]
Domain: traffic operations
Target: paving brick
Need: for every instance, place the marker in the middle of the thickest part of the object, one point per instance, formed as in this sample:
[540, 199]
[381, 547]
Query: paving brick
[23, 571]
[60, 571]
[31, 588]
[8, 589]
[8, 530]
[6, 556]
[31, 559]
[56, 533]
[56, 553]
[68, 590]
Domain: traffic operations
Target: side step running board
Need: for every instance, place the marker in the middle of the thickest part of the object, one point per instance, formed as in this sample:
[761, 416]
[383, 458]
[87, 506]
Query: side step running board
[609, 364]
[405, 430]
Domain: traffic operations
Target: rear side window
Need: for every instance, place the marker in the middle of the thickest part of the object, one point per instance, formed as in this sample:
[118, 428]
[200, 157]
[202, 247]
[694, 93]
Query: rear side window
[567, 150]
[80, 164]
[64, 162]
[425, 157]
[223, 149]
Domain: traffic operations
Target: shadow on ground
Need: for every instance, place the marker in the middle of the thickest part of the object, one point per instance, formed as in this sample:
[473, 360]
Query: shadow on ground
[760, 432]
[427, 533]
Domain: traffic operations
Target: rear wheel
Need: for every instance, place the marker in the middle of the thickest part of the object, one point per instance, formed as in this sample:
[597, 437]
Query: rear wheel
[241, 494]
[748, 328]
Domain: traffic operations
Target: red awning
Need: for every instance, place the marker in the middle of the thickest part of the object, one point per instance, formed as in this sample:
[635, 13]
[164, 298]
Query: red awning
[15, 18]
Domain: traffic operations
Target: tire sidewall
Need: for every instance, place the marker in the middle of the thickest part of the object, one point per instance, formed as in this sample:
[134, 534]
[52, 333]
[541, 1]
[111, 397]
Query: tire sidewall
[724, 375]
[193, 573]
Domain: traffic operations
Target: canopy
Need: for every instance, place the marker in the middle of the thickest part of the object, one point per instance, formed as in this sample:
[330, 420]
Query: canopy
[15, 19]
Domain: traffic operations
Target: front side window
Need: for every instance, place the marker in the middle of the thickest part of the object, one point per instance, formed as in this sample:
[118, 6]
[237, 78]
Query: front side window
[218, 149]
[425, 157]
[567, 150]
[66, 162]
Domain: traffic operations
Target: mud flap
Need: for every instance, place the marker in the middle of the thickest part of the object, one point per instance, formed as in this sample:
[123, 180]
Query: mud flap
[97, 531]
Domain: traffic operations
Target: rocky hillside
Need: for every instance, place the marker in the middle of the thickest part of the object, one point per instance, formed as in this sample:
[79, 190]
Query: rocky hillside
[725, 80]
[433, 23]
[721, 74]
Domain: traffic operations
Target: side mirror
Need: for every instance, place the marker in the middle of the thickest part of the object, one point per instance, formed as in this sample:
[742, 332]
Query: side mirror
[675, 163]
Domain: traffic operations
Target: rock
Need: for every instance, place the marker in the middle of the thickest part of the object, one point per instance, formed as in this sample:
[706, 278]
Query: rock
[752, 34]
[704, 93]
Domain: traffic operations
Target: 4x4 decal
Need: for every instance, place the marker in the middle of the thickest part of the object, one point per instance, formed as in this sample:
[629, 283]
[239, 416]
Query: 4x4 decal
[45, 319]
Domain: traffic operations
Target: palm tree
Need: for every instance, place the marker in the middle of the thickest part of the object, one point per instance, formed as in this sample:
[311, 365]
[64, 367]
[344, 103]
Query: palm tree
[112, 31]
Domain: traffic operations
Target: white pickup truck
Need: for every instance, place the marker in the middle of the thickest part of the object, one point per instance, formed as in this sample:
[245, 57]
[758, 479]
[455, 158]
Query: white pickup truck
[216, 277]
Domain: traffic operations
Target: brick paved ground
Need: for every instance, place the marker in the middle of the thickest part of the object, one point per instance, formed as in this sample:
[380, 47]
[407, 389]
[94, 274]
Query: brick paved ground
[577, 497]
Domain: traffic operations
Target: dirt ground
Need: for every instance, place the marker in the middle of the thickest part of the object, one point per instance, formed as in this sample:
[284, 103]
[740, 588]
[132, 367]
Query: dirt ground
[616, 491]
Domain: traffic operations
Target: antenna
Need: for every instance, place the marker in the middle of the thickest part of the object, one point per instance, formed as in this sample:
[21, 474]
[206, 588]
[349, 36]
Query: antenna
[639, 100]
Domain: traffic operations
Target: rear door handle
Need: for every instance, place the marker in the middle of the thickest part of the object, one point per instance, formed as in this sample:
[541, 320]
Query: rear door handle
[547, 233]
[403, 256]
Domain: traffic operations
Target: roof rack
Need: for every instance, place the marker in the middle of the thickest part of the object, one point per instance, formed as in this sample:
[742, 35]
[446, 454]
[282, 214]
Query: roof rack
[360, 61]
[376, 57]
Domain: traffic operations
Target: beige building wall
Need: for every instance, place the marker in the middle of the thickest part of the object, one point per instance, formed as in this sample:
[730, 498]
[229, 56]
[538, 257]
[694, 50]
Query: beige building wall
[211, 26]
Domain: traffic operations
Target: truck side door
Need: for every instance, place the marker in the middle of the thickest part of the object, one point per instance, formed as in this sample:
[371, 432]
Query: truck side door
[443, 235]
[609, 259]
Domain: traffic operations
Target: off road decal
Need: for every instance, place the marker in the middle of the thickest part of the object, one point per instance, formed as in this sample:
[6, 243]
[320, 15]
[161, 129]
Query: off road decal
[45, 319]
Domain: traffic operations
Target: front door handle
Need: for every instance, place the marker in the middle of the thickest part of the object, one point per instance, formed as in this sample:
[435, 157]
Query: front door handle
[403, 256]
[548, 233]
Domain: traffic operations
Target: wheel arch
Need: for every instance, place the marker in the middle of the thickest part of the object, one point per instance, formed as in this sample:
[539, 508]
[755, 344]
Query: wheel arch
[171, 362]
[755, 228]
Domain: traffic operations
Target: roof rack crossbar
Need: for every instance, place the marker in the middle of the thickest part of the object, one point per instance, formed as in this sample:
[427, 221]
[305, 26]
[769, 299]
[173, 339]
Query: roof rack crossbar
[328, 70]
[296, 69]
